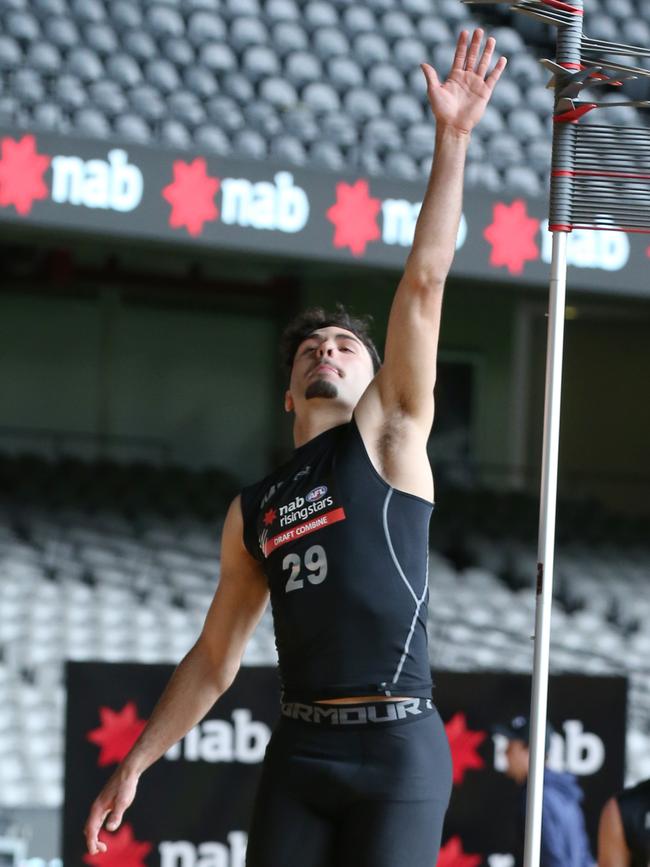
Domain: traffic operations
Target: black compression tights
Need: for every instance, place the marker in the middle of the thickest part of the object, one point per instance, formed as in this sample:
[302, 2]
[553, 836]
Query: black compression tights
[367, 797]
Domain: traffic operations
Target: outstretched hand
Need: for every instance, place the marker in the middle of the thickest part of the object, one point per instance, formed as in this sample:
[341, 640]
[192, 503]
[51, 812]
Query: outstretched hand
[460, 102]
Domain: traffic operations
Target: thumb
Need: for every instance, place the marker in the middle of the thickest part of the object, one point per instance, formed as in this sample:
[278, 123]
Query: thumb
[430, 74]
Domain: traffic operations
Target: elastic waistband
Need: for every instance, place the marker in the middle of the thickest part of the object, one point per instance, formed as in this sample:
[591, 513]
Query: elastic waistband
[368, 714]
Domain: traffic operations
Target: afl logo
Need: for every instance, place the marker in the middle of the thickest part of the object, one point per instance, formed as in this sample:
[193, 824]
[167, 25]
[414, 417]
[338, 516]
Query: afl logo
[316, 493]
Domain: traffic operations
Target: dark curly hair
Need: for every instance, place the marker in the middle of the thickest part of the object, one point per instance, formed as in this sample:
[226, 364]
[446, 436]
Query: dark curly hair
[312, 319]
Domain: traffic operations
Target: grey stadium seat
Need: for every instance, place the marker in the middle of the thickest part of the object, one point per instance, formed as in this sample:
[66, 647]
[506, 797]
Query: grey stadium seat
[87, 10]
[164, 21]
[217, 56]
[381, 133]
[212, 138]
[22, 25]
[147, 101]
[70, 92]
[409, 53]
[504, 150]
[396, 25]
[262, 117]
[44, 57]
[140, 45]
[278, 92]
[337, 128]
[185, 107]
[434, 31]
[401, 165]
[234, 8]
[539, 99]
[419, 7]
[125, 15]
[509, 42]
[124, 70]
[358, 19]
[522, 179]
[287, 147]
[301, 67]
[205, 27]
[483, 175]
[288, 36]
[385, 79]
[238, 86]
[249, 143]
[602, 27]
[344, 73]
[133, 127]
[320, 97]
[369, 48]
[27, 86]
[178, 51]
[329, 42]
[507, 96]
[50, 116]
[101, 38]
[258, 62]
[300, 122]
[62, 32]
[282, 10]
[162, 74]
[526, 70]
[224, 110]
[524, 124]
[201, 81]
[175, 134]
[369, 161]
[247, 31]
[361, 104]
[91, 121]
[404, 109]
[84, 63]
[49, 7]
[327, 155]
[10, 53]
[318, 13]
[538, 155]
[420, 140]
[108, 96]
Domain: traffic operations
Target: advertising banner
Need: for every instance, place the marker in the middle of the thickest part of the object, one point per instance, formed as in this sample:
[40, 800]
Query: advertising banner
[193, 806]
[134, 192]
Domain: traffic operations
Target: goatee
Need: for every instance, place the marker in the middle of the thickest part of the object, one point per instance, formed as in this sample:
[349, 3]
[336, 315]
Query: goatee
[321, 388]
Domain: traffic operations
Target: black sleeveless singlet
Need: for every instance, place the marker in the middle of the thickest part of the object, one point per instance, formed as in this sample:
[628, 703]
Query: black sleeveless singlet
[346, 558]
[634, 805]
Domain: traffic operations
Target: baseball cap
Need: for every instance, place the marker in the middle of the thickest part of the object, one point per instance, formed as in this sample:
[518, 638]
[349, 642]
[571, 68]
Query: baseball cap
[518, 729]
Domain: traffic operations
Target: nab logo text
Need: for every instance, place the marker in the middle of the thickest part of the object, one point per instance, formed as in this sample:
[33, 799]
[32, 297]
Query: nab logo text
[216, 740]
[182, 853]
[113, 184]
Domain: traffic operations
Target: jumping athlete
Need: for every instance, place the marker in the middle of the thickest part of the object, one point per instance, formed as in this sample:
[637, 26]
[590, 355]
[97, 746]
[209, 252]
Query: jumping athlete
[624, 829]
[357, 771]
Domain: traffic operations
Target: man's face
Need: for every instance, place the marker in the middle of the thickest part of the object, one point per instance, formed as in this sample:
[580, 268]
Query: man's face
[330, 364]
[517, 756]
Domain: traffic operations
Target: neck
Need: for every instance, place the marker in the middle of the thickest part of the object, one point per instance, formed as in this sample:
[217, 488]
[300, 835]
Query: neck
[312, 424]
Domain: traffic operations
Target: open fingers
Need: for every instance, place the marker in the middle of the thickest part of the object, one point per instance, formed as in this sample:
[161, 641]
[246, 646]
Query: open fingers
[461, 51]
[486, 57]
[472, 51]
[495, 75]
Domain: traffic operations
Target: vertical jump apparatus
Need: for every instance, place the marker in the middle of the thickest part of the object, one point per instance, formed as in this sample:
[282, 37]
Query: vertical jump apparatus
[600, 179]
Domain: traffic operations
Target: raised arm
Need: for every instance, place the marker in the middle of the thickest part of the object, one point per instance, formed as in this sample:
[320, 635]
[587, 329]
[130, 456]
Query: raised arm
[203, 675]
[406, 380]
[612, 846]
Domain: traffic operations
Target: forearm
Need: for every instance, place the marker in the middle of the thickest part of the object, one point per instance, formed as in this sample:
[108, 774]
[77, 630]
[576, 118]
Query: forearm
[436, 229]
[194, 687]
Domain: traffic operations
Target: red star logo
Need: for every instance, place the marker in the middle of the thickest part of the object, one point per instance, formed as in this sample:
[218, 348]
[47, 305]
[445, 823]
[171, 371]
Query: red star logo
[21, 174]
[123, 850]
[269, 517]
[512, 235]
[452, 855]
[117, 733]
[463, 743]
[647, 252]
[191, 195]
[355, 217]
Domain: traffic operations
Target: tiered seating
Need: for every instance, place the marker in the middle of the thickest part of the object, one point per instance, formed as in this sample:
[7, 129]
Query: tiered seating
[329, 83]
[92, 569]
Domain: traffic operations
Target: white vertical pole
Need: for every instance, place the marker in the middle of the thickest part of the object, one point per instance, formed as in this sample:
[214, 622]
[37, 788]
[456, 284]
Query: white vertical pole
[546, 542]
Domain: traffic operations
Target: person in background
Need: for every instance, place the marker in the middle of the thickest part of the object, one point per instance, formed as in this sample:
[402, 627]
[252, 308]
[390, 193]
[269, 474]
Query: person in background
[564, 837]
[624, 828]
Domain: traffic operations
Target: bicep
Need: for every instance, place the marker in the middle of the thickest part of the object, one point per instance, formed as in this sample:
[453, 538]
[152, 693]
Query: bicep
[240, 598]
[408, 375]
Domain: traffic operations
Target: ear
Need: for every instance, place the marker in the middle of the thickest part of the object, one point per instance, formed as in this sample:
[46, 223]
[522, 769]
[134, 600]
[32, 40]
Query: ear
[289, 405]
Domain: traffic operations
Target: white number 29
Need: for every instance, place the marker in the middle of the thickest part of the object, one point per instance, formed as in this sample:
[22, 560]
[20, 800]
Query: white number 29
[315, 562]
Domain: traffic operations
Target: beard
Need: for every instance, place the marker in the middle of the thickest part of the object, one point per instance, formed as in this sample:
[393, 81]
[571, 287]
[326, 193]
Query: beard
[321, 388]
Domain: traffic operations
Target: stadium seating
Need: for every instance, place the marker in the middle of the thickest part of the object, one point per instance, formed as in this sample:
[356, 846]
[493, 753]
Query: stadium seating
[119, 562]
[231, 78]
